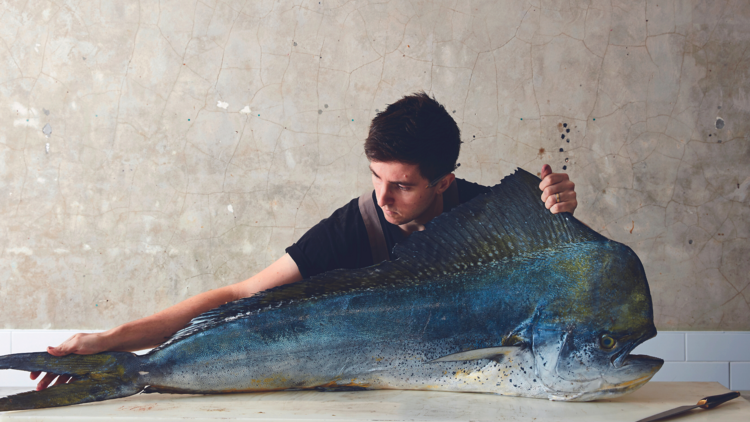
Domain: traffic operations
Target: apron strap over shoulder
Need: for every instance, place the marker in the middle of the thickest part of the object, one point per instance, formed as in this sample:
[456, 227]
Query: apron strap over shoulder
[374, 229]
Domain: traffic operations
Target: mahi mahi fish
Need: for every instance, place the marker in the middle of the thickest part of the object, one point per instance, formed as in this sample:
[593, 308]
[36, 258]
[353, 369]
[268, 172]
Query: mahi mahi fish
[496, 296]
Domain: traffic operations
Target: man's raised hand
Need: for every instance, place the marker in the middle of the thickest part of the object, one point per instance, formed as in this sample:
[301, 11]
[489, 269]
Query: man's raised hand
[558, 192]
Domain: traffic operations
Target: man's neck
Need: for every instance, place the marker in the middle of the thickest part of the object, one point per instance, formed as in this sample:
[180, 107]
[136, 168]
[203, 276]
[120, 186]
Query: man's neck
[416, 225]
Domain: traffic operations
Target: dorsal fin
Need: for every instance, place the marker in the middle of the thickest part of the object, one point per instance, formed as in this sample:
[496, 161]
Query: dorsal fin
[510, 221]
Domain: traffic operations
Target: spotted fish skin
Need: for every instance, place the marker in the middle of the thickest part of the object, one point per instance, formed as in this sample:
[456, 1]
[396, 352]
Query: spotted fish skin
[497, 296]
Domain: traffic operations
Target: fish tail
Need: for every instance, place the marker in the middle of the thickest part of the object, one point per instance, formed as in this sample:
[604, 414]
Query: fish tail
[97, 377]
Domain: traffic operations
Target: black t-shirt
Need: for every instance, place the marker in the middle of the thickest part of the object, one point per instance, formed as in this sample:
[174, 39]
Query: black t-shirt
[340, 241]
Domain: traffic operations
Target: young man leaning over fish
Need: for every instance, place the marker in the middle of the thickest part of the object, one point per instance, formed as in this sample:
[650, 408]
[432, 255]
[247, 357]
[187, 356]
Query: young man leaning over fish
[412, 147]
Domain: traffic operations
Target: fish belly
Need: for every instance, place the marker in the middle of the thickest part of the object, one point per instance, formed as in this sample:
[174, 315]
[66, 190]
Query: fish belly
[510, 375]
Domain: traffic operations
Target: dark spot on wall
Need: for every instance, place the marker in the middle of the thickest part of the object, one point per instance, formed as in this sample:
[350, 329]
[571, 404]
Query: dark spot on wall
[565, 167]
[690, 241]
[562, 136]
[541, 151]
[719, 123]
[561, 150]
[320, 111]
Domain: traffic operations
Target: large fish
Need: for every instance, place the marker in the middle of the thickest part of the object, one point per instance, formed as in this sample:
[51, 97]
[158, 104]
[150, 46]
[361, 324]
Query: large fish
[496, 296]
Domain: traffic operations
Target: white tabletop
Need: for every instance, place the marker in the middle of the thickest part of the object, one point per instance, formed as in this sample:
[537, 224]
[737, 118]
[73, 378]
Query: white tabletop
[654, 397]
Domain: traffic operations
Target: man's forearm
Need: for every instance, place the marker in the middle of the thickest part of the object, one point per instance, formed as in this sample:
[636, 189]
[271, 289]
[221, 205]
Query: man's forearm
[155, 329]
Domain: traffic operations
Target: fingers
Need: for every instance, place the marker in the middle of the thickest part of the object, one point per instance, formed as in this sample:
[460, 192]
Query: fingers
[546, 171]
[51, 380]
[75, 344]
[565, 186]
[62, 379]
[552, 179]
[46, 381]
[568, 202]
[65, 348]
[557, 183]
[80, 343]
[59, 350]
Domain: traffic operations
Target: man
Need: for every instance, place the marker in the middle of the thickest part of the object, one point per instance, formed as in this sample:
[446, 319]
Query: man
[412, 147]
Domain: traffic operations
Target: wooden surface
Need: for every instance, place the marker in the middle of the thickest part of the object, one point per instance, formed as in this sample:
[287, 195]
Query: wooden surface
[382, 405]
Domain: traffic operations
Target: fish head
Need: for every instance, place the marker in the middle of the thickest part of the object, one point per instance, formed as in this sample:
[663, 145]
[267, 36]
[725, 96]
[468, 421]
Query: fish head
[581, 365]
[582, 340]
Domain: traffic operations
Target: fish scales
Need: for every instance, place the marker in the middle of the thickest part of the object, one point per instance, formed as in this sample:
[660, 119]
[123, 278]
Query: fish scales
[496, 296]
[363, 324]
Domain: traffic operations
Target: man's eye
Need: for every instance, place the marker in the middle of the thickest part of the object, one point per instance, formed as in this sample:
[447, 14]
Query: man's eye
[404, 187]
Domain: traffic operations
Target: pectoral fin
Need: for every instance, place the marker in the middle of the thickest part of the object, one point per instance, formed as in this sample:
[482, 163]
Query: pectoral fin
[493, 353]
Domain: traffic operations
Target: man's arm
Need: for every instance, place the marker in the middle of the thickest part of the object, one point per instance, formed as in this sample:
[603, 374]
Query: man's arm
[155, 329]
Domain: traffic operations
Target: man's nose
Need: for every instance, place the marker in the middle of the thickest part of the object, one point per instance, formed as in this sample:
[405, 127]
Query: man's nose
[383, 196]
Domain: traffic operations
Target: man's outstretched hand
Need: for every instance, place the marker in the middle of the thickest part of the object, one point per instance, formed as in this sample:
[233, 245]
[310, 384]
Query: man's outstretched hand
[81, 344]
[560, 184]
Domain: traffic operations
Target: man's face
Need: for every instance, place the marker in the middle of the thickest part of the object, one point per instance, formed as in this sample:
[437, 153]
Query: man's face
[401, 191]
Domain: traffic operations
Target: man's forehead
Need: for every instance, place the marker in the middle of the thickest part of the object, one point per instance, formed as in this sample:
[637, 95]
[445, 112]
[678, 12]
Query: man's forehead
[397, 171]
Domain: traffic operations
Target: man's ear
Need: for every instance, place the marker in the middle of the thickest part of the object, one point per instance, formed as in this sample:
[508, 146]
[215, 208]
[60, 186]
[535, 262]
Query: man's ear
[446, 181]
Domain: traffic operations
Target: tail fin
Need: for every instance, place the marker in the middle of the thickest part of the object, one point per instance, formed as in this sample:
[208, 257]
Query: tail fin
[99, 377]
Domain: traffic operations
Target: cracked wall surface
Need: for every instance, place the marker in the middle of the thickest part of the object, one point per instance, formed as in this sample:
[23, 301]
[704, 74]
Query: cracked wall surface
[151, 150]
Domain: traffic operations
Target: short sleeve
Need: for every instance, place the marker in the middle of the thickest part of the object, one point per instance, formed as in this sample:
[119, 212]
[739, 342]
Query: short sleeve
[469, 190]
[339, 241]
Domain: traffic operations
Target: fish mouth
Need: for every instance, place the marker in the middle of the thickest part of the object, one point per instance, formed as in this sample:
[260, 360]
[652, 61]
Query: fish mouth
[642, 366]
[623, 357]
[637, 364]
[645, 361]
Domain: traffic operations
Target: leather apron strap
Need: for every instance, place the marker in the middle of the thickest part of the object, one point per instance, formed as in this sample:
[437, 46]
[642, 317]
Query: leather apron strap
[375, 229]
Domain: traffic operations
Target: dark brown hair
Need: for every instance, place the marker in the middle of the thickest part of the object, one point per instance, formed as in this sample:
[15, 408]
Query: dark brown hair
[416, 130]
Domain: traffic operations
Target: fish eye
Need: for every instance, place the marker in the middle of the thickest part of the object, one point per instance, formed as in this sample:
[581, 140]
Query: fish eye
[607, 342]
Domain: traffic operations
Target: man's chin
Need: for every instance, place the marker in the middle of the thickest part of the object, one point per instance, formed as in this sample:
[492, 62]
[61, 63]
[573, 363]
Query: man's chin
[393, 219]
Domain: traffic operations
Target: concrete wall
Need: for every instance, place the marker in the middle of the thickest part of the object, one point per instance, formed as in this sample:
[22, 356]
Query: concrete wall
[153, 150]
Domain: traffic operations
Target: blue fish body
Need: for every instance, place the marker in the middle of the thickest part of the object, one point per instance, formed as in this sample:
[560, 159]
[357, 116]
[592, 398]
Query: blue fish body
[496, 296]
